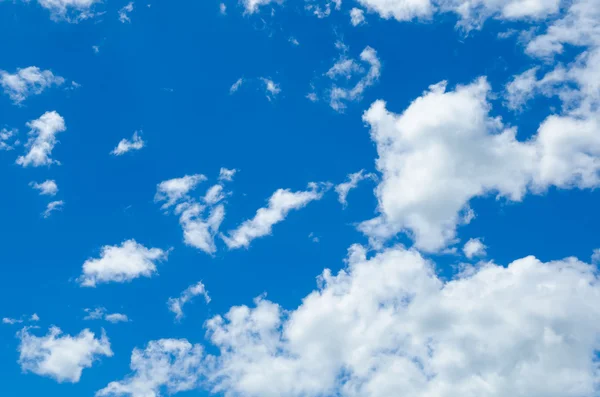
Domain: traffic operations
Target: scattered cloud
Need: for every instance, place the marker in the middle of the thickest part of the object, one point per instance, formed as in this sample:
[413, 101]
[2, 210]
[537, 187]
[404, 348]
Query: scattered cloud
[100, 313]
[226, 174]
[61, 357]
[46, 188]
[474, 248]
[223, 9]
[11, 321]
[42, 138]
[27, 81]
[280, 204]
[177, 189]
[120, 264]
[236, 86]
[272, 89]
[252, 6]
[294, 41]
[5, 136]
[69, 10]
[176, 304]
[353, 179]
[126, 145]
[52, 207]
[357, 16]
[124, 12]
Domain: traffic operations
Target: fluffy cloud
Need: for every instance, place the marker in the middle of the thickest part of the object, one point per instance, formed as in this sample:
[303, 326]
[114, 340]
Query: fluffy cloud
[271, 88]
[387, 325]
[252, 6]
[126, 145]
[474, 247]
[100, 313]
[61, 357]
[69, 10]
[226, 174]
[53, 206]
[47, 188]
[27, 81]
[236, 86]
[5, 136]
[280, 204]
[353, 179]
[445, 149]
[42, 140]
[200, 231]
[176, 304]
[11, 321]
[172, 365]
[124, 12]
[357, 16]
[121, 264]
[177, 189]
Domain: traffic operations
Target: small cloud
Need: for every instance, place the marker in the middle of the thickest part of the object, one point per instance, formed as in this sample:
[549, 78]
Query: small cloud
[294, 41]
[236, 86]
[46, 188]
[53, 206]
[136, 143]
[474, 248]
[272, 89]
[226, 174]
[357, 16]
[124, 13]
[313, 238]
[176, 304]
[223, 9]
[96, 49]
[27, 81]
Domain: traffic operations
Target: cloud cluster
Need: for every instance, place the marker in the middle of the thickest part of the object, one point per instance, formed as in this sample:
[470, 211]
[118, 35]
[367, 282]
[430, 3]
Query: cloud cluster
[27, 81]
[100, 313]
[42, 140]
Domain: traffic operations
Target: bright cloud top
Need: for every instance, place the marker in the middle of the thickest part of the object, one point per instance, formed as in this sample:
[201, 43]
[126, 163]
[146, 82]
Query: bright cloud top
[52, 207]
[176, 304]
[61, 357]
[46, 188]
[42, 140]
[120, 264]
[473, 248]
[126, 145]
[69, 10]
[27, 81]
[280, 204]
[176, 189]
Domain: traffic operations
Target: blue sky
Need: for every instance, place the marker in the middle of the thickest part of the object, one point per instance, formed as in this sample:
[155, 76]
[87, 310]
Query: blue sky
[475, 125]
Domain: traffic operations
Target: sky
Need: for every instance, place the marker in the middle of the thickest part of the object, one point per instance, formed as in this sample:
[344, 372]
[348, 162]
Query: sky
[300, 198]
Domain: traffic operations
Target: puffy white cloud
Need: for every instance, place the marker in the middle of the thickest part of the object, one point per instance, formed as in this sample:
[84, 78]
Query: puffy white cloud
[124, 12]
[226, 174]
[353, 179]
[42, 140]
[214, 194]
[474, 247]
[280, 204]
[445, 149]
[236, 86]
[61, 357]
[69, 10]
[401, 10]
[339, 94]
[27, 81]
[5, 136]
[252, 6]
[172, 365]
[357, 16]
[177, 189]
[271, 88]
[48, 187]
[126, 145]
[176, 304]
[121, 264]
[100, 313]
[53, 206]
[198, 231]
[11, 321]
[34, 317]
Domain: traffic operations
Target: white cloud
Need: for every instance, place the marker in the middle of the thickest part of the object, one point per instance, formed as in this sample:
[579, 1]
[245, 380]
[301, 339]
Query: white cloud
[5, 136]
[53, 206]
[357, 16]
[280, 204]
[401, 10]
[226, 174]
[121, 264]
[69, 10]
[124, 12]
[339, 95]
[236, 86]
[596, 256]
[353, 179]
[42, 140]
[34, 317]
[223, 9]
[294, 41]
[198, 231]
[61, 357]
[48, 187]
[445, 149]
[27, 81]
[177, 189]
[252, 6]
[11, 321]
[96, 49]
[126, 145]
[176, 304]
[473, 248]
[272, 89]
[100, 313]
[171, 365]
[214, 194]
[388, 325]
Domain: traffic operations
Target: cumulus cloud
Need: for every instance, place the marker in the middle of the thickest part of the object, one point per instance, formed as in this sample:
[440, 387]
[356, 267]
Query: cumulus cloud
[176, 304]
[388, 325]
[164, 366]
[473, 248]
[226, 174]
[126, 145]
[5, 136]
[69, 10]
[27, 81]
[124, 12]
[61, 357]
[271, 88]
[353, 179]
[42, 140]
[199, 231]
[46, 188]
[11, 321]
[445, 149]
[177, 189]
[280, 204]
[120, 264]
[252, 6]
[52, 207]
[357, 16]
[100, 313]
